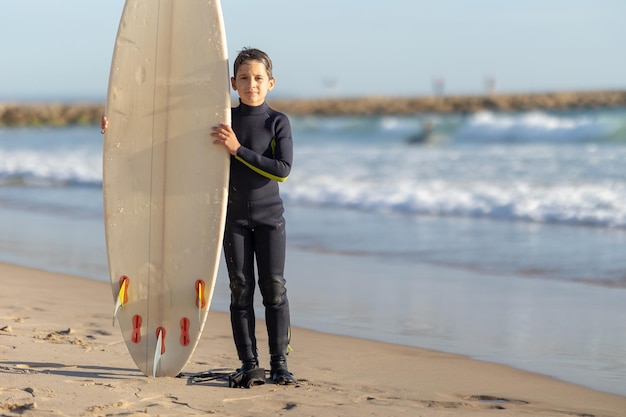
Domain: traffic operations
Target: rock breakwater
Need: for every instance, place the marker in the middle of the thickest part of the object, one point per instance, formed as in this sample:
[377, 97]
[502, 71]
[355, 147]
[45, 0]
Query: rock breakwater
[453, 104]
[61, 114]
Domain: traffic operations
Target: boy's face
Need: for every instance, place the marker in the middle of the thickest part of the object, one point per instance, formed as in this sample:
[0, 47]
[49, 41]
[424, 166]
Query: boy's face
[252, 83]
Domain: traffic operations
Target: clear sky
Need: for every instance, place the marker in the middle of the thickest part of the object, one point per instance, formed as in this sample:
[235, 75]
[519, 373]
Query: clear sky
[61, 49]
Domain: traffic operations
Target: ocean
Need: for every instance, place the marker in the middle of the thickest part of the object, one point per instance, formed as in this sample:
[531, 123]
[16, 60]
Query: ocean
[500, 236]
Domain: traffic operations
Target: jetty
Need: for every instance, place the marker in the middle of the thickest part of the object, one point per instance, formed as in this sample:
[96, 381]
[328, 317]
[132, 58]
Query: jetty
[63, 114]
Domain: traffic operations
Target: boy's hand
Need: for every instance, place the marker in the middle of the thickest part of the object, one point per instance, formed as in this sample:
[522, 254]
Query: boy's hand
[224, 135]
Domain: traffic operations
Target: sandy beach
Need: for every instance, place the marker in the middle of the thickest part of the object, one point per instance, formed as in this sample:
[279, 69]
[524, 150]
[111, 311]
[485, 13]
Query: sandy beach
[59, 356]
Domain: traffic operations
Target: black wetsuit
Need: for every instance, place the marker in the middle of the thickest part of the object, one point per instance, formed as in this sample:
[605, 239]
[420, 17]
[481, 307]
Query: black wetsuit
[255, 226]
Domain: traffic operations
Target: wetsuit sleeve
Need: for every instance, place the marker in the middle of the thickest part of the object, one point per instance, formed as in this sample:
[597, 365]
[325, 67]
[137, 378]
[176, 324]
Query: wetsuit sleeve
[276, 166]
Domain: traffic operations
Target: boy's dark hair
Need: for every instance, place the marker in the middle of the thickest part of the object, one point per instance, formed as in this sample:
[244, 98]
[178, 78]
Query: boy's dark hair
[247, 54]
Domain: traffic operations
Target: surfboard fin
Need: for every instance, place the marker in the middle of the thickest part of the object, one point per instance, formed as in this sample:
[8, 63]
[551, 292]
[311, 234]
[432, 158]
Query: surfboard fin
[200, 298]
[122, 296]
[159, 350]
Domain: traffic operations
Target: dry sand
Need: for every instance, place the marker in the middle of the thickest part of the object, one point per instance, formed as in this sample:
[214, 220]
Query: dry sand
[59, 356]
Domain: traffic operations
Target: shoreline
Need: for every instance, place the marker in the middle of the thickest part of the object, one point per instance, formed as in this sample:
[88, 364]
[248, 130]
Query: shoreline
[493, 317]
[61, 356]
[64, 114]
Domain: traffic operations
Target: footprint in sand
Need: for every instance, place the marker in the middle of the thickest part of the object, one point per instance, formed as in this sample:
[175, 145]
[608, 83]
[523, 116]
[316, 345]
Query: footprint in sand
[17, 400]
[63, 336]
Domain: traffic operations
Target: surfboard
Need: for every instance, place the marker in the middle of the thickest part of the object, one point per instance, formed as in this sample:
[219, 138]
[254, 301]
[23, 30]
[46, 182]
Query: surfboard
[165, 183]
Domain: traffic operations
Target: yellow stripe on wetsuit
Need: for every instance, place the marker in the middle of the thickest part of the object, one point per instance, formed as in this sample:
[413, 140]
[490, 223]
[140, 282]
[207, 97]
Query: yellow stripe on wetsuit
[260, 171]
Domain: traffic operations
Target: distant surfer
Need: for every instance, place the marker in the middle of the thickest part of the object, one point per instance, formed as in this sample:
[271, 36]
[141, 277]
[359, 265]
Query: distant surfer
[261, 148]
[423, 134]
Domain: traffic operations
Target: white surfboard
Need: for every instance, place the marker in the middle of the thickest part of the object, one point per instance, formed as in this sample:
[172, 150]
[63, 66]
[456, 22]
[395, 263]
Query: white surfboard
[165, 183]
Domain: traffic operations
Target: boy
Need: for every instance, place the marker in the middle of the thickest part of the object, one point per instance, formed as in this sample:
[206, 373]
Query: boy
[261, 148]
